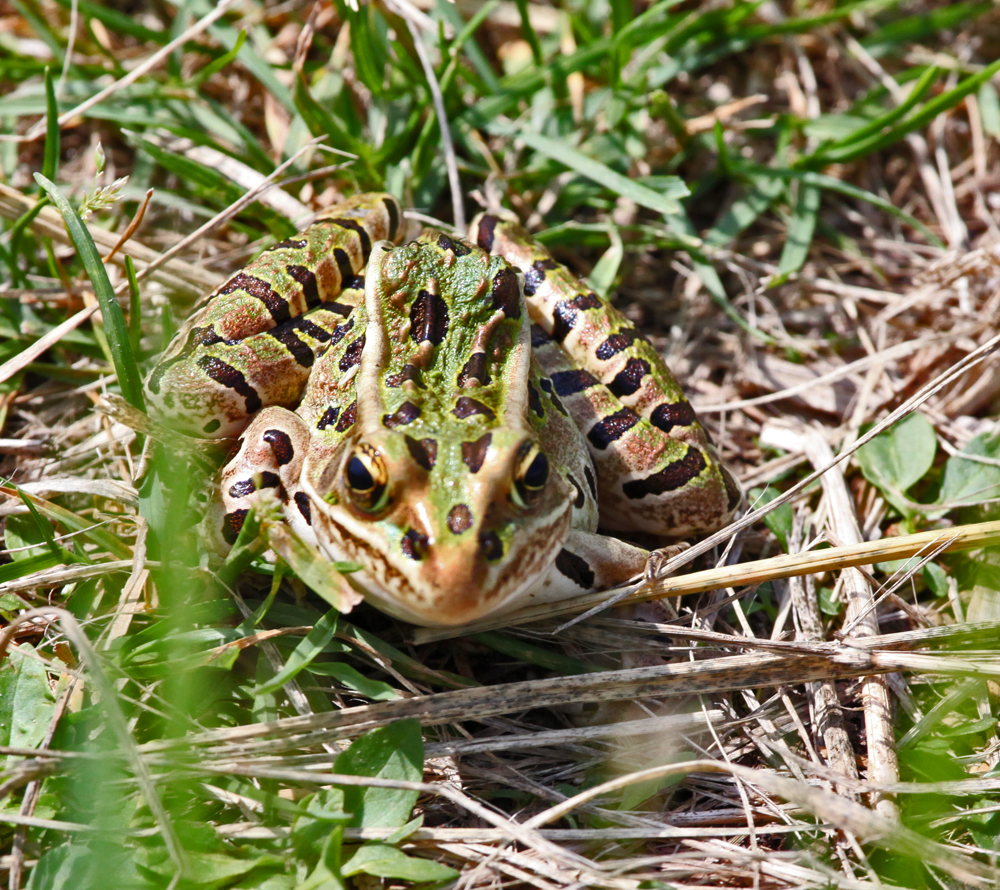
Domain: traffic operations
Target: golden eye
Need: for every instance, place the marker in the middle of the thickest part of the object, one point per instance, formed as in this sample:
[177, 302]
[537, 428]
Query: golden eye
[366, 478]
[530, 474]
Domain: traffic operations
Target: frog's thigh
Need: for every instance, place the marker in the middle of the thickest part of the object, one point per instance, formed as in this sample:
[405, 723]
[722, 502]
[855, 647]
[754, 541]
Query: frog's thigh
[589, 562]
[269, 458]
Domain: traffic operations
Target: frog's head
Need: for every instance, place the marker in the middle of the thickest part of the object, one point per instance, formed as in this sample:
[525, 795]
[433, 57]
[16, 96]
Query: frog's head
[446, 529]
[443, 490]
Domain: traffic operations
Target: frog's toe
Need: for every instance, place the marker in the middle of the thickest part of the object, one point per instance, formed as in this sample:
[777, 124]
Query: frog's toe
[660, 557]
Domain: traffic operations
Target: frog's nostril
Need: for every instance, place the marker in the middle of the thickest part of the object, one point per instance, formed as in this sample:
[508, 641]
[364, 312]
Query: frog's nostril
[491, 545]
[414, 545]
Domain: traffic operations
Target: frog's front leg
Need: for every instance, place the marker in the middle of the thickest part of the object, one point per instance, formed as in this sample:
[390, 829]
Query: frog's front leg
[269, 458]
[588, 562]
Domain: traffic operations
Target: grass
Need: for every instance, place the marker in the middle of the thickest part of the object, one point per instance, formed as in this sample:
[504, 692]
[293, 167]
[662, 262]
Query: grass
[796, 202]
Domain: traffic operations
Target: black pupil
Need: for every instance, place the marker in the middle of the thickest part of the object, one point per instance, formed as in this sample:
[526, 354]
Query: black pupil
[538, 472]
[358, 476]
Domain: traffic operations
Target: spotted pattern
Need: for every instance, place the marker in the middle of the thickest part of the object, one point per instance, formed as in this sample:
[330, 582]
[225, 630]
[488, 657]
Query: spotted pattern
[347, 417]
[275, 304]
[507, 293]
[474, 371]
[232, 523]
[352, 355]
[569, 383]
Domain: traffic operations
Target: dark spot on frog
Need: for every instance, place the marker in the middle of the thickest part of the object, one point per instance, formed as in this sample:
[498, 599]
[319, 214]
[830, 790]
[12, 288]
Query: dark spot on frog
[348, 417]
[231, 378]
[569, 383]
[612, 428]
[307, 278]
[281, 446]
[410, 372]
[506, 293]
[474, 453]
[423, 452]
[231, 525]
[352, 354]
[428, 318]
[628, 380]
[665, 417]
[474, 369]
[487, 231]
[467, 407]
[459, 519]
[591, 481]
[576, 568]
[406, 413]
[302, 502]
[566, 311]
[355, 226]
[614, 344]
[329, 416]
[459, 248]
[535, 275]
[392, 209]
[211, 426]
[674, 475]
[275, 304]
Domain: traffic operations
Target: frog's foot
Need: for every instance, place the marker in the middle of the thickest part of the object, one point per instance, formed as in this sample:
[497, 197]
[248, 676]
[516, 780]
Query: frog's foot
[660, 557]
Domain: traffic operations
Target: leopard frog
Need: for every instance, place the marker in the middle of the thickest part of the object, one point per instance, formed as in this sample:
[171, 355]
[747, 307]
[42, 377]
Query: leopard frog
[456, 417]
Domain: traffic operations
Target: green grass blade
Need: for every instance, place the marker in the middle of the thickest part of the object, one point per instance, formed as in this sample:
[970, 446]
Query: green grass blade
[529, 33]
[50, 158]
[134, 306]
[303, 654]
[666, 202]
[800, 231]
[929, 111]
[114, 319]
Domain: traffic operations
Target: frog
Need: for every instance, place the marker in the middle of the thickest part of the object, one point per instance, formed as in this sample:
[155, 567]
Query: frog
[463, 419]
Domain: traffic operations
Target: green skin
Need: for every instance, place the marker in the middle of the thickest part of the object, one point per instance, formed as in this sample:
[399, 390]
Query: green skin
[459, 465]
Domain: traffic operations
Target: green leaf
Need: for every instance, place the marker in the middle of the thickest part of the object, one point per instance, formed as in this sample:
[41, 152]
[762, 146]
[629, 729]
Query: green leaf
[969, 481]
[390, 752]
[666, 201]
[897, 458]
[26, 703]
[780, 519]
[384, 861]
[114, 319]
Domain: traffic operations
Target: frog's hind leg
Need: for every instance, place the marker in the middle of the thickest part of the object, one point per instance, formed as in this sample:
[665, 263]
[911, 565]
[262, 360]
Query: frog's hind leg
[588, 563]
[269, 459]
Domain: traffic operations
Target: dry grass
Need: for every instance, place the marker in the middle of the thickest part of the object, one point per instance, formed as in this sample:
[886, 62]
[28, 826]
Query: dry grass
[831, 724]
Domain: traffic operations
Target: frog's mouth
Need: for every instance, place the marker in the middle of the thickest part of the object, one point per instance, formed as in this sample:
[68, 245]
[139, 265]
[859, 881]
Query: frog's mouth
[449, 584]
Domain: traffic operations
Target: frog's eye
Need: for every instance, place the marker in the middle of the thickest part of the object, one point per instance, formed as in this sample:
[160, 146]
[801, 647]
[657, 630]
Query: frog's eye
[530, 474]
[366, 478]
